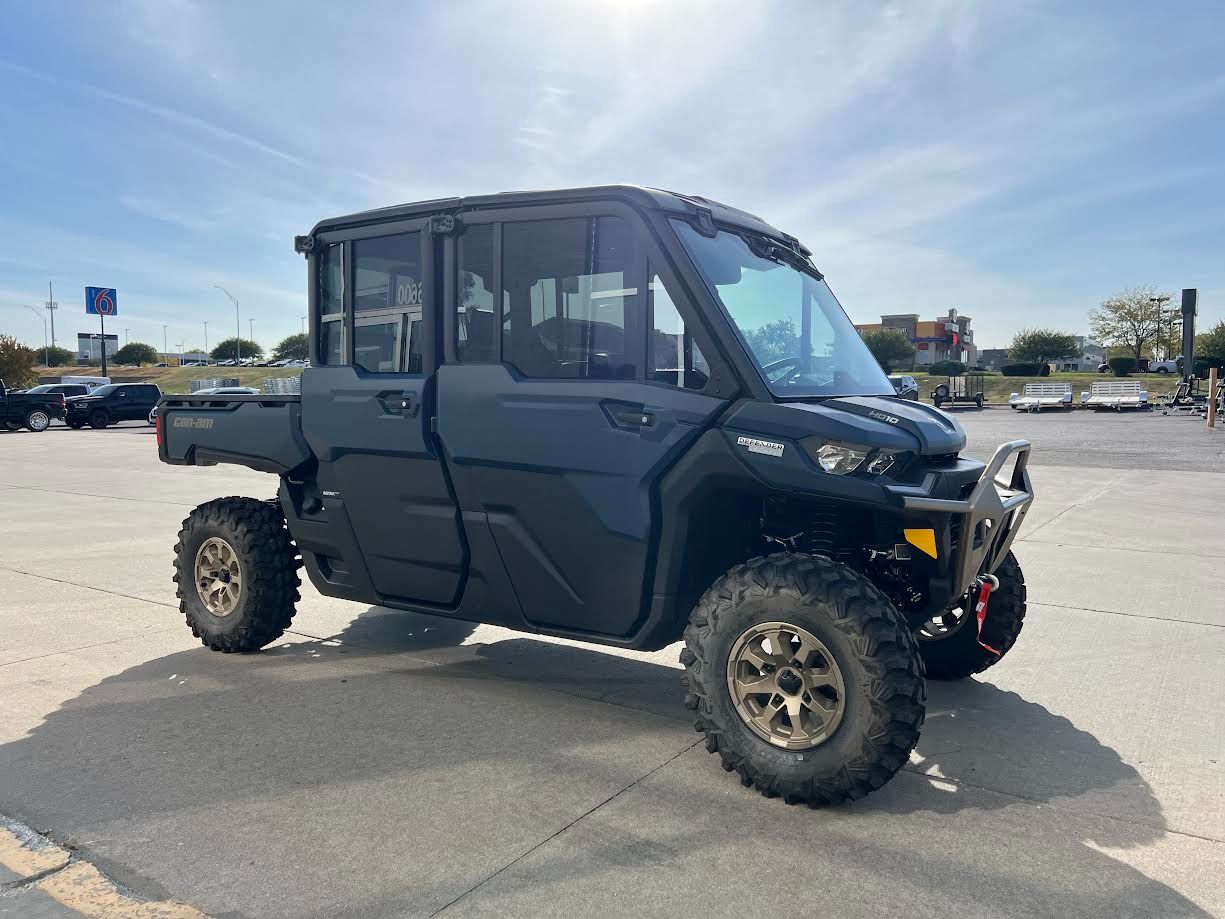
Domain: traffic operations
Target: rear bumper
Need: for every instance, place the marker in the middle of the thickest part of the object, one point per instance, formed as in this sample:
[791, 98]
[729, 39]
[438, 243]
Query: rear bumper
[989, 517]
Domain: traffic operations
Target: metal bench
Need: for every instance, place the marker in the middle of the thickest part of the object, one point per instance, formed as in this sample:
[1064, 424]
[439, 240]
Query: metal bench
[1038, 396]
[1115, 394]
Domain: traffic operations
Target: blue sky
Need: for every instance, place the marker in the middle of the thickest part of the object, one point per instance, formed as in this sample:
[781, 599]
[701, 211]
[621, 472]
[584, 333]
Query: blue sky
[1019, 161]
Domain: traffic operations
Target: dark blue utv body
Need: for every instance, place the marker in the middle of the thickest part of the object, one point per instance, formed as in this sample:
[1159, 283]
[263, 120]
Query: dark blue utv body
[593, 478]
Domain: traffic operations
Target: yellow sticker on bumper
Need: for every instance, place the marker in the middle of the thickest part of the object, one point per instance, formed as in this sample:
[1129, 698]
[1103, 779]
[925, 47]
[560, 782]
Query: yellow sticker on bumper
[923, 540]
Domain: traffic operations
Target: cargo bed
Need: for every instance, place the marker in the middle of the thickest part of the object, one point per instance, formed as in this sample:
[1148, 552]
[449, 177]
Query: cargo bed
[261, 432]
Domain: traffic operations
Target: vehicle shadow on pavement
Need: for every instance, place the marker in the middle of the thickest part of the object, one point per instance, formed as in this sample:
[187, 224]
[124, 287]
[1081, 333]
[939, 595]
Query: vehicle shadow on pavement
[393, 736]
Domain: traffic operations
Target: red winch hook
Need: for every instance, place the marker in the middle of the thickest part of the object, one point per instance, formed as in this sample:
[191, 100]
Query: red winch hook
[986, 584]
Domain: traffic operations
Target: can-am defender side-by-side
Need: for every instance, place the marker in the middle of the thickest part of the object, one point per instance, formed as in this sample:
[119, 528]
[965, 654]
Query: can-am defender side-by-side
[629, 417]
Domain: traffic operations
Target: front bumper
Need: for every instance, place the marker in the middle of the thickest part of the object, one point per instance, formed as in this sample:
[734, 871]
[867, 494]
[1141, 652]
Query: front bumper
[987, 519]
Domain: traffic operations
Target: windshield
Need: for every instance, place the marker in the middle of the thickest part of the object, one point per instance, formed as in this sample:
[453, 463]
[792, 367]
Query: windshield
[46, 387]
[791, 322]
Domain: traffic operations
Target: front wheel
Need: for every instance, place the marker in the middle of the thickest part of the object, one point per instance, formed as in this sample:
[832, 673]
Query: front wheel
[99, 418]
[804, 678]
[236, 568]
[950, 642]
[75, 425]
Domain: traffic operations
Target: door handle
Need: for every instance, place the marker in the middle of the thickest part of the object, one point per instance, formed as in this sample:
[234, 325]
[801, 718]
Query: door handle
[627, 416]
[401, 403]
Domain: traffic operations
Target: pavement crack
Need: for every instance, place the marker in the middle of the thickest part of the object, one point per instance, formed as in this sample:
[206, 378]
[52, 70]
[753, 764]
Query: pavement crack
[518, 858]
[1115, 612]
[101, 590]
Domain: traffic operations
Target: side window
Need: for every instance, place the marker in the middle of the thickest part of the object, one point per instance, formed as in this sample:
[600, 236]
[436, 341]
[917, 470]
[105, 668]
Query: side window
[331, 304]
[570, 303]
[387, 303]
[476, 322]
[674, 355]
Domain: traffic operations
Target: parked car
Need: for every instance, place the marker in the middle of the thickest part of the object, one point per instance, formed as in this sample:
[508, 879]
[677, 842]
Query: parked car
[108, 405]
[64, 389]
[816, 543]
[905, 386]
[1174, 366]
[30, 410]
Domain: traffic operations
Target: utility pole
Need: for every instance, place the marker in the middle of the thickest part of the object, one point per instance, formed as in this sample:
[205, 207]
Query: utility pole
[165, 347]
[1161, 336]
[303, 325]
[46, 347]
[52, 306]
[206, 340]
[237, 322]
[251, 327]
[125, 337]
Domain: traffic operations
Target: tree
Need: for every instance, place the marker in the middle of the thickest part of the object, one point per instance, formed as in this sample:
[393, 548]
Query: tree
[56, 356]
[774, 341]
[16, 363]
[890, 347]
[1129, 318]
[1211, 344]
[292, 348]
[1041, 346]
[228, 349]
[135, 353]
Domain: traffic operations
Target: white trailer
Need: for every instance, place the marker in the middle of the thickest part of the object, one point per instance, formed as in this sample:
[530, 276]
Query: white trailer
[1115, 394]
[1038, 396]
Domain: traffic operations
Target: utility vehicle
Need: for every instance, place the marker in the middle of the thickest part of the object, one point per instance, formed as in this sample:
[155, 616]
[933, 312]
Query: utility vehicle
[624, 416]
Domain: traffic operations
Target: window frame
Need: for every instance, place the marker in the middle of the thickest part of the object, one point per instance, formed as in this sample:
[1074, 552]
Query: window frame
[430, 298]
[649, 256]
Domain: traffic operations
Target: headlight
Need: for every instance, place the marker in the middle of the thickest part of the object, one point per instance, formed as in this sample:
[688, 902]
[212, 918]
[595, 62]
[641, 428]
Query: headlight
[840, 459]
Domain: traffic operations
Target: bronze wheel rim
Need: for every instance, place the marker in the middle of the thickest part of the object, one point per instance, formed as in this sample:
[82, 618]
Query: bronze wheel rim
[218, 576]
[786, 685]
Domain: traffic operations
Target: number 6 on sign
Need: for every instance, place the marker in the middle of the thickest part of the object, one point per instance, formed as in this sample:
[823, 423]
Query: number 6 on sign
[101, 301]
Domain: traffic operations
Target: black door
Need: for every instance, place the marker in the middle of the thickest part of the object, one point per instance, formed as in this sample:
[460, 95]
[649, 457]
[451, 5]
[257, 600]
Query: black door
[561, 442]
[368, 415]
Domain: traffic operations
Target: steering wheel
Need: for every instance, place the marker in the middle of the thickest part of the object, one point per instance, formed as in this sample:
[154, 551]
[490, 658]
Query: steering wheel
[787, 370]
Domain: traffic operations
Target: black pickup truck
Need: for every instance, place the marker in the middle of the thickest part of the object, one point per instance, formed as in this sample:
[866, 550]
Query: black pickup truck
[623, 416]
[32, 411]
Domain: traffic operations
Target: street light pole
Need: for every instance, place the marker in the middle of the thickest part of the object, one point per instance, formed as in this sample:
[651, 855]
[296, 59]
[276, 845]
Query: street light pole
[52, 306]
[1165, 342]
[303, 325]
[237, 321]
[206, 340]
[165, 347]
[125, 337]
[251, 333]
[46, 347]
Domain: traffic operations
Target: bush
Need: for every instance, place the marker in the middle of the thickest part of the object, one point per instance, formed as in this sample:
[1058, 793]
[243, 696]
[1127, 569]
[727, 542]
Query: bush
[1122, 366]
[1022, 370]
[946, 369]
[56, 356]
[1202, 365]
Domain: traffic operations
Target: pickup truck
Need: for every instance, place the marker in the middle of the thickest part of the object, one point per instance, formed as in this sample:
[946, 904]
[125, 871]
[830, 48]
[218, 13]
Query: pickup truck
[29, 410]
[610, 450]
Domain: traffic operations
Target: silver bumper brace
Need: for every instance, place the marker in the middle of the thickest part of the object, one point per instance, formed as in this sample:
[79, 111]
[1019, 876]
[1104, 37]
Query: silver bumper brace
[990, 516]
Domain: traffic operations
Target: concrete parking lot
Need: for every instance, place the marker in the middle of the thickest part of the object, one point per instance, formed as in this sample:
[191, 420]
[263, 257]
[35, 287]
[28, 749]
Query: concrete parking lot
[380, 763]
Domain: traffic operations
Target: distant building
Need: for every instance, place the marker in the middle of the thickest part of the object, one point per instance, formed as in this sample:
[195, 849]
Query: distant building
[89, 347]
[1091, 355]
[946, 338]
[993, 358]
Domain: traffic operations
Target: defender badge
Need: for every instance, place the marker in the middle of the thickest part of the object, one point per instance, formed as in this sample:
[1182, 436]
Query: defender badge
[764, 447]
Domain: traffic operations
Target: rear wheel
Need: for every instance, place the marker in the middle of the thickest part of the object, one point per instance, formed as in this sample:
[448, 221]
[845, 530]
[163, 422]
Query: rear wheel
[804, 678]
[950, 642]
[99, 418]
[38, 421]
[237, 573]
[75, 425]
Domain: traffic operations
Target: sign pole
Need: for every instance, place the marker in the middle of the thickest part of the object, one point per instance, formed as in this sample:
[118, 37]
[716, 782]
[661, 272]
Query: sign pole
[102, 320]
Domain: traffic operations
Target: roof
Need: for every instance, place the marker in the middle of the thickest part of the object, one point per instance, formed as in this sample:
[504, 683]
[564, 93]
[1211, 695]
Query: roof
[637, 195]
